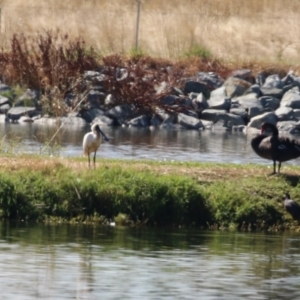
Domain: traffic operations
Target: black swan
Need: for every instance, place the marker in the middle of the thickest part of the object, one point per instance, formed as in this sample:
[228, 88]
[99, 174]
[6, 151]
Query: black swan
[275, 147]
[292, 207]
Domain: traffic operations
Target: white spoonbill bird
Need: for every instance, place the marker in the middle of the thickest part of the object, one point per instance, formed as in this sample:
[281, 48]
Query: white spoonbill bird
[92, 141]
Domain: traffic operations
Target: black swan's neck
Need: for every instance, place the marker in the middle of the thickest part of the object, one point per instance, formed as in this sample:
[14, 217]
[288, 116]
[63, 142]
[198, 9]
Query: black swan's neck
[274, 131]
[272, 127]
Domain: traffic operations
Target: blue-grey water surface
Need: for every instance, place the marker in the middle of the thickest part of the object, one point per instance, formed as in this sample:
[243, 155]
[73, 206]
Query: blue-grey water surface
[137, 143]
[84, 262]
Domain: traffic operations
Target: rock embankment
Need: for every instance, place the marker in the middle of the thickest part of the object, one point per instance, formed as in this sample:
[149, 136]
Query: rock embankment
[204, 101]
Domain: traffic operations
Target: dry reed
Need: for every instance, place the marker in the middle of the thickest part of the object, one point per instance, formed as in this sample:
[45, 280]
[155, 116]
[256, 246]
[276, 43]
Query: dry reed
[237, 31]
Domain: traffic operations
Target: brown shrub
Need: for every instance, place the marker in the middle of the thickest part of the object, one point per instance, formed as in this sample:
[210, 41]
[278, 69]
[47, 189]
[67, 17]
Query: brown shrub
[49, 62]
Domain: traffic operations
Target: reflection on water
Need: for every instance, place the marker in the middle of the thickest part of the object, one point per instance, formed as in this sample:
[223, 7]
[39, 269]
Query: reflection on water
[82, 262]
[133, 143]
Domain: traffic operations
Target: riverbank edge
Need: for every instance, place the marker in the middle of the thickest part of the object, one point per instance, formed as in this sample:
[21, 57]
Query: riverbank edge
[147, 193]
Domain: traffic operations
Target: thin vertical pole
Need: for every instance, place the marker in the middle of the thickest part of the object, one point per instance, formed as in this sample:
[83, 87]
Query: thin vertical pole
[137, 24]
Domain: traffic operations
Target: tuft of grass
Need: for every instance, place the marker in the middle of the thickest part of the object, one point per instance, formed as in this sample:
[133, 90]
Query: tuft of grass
[230, 203]
[137, 53]
[141, 197]
[199, 51]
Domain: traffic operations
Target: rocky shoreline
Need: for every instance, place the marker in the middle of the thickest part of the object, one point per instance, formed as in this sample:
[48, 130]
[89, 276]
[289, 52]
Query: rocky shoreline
[204, 101]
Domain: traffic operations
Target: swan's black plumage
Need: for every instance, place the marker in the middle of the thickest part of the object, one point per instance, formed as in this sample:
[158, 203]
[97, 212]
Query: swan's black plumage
[274, 147]
[292, 207]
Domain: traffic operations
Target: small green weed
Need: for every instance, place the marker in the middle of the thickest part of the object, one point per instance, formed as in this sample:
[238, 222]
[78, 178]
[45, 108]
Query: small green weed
[199, 51]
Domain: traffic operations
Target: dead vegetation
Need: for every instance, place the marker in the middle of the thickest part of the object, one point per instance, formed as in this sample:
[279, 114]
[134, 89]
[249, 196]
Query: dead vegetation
[48, 60]
[233, 31]
[190, 36]
[51, 63]
[55, 64]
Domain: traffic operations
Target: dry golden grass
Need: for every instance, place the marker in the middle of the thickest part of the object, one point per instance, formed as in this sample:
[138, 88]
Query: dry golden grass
[238, 31]
[201, 172]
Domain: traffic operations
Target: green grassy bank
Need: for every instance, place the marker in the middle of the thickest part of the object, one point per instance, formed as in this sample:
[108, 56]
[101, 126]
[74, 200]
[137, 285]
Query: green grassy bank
[143, 192]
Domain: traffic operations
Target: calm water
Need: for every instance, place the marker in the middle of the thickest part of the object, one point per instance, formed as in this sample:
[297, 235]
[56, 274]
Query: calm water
[131, 143]
[82, 262]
